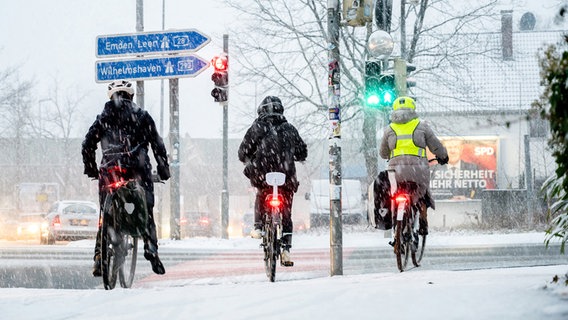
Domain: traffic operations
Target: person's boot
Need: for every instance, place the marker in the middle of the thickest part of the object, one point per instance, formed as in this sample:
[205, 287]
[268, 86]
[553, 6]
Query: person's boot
[423, 220]
[256, 233]
[97, 272]
[285, 259]
[155, 261]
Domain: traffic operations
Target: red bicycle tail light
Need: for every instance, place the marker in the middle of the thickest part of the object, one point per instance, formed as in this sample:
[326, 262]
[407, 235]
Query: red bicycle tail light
[401, 198]
[275, 202]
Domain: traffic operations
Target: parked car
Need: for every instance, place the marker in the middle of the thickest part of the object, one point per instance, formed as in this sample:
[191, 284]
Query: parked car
[195, 224]
[29, 226]
[247, 223]
[70, 220]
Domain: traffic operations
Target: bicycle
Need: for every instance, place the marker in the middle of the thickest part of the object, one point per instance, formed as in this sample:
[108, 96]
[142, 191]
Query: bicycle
[272, 226]
[405, 216]
[124, 218]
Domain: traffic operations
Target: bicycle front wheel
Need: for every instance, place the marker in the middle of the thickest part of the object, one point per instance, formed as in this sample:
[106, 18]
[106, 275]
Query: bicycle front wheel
[108, 254]
[128, 268]
[420, 243]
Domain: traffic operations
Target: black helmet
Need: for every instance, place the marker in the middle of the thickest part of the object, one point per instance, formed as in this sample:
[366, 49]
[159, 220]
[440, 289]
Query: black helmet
[270, 105]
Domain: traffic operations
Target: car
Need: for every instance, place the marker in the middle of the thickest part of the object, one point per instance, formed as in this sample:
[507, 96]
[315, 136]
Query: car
[29, 226]
[70, 220]
[247, 223]
[195, 224]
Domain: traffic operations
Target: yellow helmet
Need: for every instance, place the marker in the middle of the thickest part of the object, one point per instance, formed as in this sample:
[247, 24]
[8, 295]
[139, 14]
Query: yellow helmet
[404, 102]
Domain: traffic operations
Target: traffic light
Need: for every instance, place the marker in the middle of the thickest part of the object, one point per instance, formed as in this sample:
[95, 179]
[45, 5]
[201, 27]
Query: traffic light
[380, 90]
[372, 76]
[220, 78]
[410, 82]
[387, 90]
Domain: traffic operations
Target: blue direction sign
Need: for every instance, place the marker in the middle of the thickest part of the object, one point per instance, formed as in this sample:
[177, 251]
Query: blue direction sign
[150, 68]
[176, 41]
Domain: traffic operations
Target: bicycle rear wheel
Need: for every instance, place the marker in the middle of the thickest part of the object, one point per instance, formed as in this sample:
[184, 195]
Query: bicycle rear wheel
[127, 270]
[401, 247]
[270, 252]
[109, 269]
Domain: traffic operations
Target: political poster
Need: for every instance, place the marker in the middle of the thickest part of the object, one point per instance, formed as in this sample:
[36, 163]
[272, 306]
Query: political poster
[472, 167]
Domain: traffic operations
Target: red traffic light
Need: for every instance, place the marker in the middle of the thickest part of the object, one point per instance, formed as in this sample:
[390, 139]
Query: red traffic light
[220, 63]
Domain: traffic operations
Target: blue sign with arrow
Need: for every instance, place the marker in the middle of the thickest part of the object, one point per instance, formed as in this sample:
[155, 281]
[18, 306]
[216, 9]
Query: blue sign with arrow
[177, 41]
[177, 66]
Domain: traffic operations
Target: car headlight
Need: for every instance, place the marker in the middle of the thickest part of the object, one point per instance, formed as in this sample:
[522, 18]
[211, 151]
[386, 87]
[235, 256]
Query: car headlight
[34, 228]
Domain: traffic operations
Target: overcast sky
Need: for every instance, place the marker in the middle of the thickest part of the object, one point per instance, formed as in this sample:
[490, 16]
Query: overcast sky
[56, 39]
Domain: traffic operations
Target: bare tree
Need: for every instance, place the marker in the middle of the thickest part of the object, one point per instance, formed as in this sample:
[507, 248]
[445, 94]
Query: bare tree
[282, 48]
[15, 97]
[57, 116]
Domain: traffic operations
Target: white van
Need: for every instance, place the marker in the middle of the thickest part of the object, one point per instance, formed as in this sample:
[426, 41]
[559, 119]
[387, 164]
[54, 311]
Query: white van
[353, 204]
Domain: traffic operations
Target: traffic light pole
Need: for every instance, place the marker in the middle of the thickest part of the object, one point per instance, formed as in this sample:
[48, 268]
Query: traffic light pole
[225, 192]
[334, 107]
[400, 77]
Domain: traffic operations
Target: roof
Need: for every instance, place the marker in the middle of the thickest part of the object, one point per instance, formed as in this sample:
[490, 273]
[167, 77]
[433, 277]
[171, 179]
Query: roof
[485, 82]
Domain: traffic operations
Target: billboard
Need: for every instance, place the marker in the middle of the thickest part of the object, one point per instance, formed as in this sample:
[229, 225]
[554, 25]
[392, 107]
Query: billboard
[472, 167]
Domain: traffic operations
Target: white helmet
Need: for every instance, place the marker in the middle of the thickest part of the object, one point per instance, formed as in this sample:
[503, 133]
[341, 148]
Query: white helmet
[120, 85]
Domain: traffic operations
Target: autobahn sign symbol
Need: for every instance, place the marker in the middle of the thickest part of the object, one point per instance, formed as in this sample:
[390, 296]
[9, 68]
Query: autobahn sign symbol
[175, 66]
[145, 43]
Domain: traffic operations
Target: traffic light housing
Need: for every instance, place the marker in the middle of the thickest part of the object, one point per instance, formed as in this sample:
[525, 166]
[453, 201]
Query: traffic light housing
[380, 88]
[220, 78]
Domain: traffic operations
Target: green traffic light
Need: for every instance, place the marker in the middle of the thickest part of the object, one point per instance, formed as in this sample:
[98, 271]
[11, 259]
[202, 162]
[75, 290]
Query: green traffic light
[373, 100]
[388, 97]
[380, 88]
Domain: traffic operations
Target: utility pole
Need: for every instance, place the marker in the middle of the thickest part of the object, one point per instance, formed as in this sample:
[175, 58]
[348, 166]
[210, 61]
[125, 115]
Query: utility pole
[162, 80]
[334, 107]
[225, 192]
[140, 28]
[529, 182]
[175, 161]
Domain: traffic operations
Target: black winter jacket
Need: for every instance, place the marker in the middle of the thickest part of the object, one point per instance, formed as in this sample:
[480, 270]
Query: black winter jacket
[122, 127]
[272, 144]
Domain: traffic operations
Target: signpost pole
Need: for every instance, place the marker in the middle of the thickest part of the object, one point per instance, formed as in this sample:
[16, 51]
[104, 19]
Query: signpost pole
[225, 192]
[140, 28]
[175, 161]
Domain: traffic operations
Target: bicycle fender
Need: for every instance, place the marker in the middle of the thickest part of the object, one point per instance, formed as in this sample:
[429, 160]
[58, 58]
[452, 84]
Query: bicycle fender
[400, 212]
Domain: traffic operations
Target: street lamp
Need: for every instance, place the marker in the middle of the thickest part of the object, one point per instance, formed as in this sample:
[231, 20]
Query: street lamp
[380, 44]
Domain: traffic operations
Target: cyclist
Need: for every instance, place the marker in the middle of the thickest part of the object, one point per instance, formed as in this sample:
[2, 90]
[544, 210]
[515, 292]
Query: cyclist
[404, 146]
[272, 144]
[123, 127]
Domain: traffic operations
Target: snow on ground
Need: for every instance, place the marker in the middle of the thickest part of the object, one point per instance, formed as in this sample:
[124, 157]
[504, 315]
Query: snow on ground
[512, 293]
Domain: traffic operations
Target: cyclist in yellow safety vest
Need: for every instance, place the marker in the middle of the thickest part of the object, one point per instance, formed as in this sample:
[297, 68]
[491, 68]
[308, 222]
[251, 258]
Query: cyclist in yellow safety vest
[404, 146]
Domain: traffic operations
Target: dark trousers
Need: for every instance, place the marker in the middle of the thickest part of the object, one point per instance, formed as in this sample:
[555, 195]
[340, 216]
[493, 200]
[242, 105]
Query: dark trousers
[260, 207]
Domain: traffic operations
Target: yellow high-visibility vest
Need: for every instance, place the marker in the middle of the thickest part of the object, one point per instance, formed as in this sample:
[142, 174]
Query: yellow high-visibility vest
[404, 143]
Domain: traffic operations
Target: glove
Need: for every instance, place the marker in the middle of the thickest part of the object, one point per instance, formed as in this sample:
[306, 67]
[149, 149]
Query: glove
[443, 161]
[91, 171]
[164, 172]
